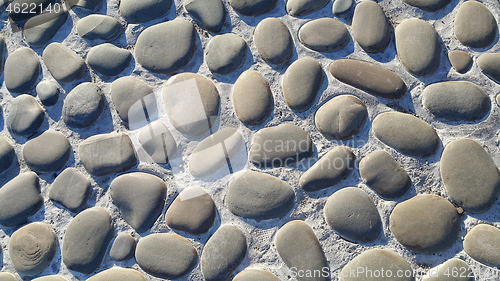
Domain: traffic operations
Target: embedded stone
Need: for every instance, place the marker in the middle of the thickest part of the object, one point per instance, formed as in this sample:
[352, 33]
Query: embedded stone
[22, 69]
[211, 13]
[225, 53]
[48, 152]
[108, 59]
[446, 272]
[158, 142]
[481, 243]
[490, 65]
[460, 60]
[47, 92]
[25, 116]
[252, 98]
[341, 6]
[83, 105]
[50, 278]
[118, 274]
[301, 83]
[475, 26]
[63, 63]
[273, 40]
[41, 28]
[3, 52]
[71, 189]
[7, 154]
[252, 8]
[96, 26]
[324, 35]
[298, 8]
[428, 5]
[370, 27]
[425, 224]
[145, 10]
[255, 274]
[133, 99]
[86, 4]
[123, 247]
[6, 276]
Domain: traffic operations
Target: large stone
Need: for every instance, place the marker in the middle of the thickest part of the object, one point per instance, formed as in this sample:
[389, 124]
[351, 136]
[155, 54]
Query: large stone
[471, 178]
[123, 247]
[225, 53]
[48, 152]
[118, 274]
[452, 270]
[7, 154]
[428, 5]
[252, 7]
[22, 69]
[490, 65]
[108, 59]
[63, 63]
[40, 29]
[71, 189]
[370, 27]
[298, 8]
[273, 40]
[83, 105]
[475, 26]
[145, 10]
[324, 35]
[133, 99]
[211, 13]
[460, 60]
[25, 116]
[481, 243]
[252, 98]
[97, 26]
[301, 83]
[47, 92]
[158, 142]
[255, 274]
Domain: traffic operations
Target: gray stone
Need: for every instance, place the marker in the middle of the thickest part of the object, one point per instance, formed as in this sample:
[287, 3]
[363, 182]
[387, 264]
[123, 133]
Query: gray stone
[86, 4]
[192, 211]
[460, 60]
[32, 247]
[341, 6]
[139, 197]
[252, 7]
[64, 64]
[166, 47]
[223, 252]
[428, 5]
[301, 83]
[406, 133]
[25, 116]
[108, 59]
[50, 278]
[83, 105]
[490, 65]
[333, 167]
[211, 13]
[22, 69]
[48, 152]
[47, 92]
[71, 189]
[370, 27]
[41, 28]
[280, 146]
[324, 35]
[19, 199]
[425, 224]
[145, 10]
[384, 175]
[166, 255]
[298, 8]
[456, 100]
[255, 274]
[158, 142]
[97, 26]
[299, 248]
[471, 178]
[475, 26]
[118, 274]
[106, 154]
[252, 98]
[7, 154]
[481, 244]
[371, 78]
[273, 40]
[133, 99]
[3, 52]
[123, 247]
[22, 13]
[225, 53]
[86, 240]
[6, 276]
[452, 270]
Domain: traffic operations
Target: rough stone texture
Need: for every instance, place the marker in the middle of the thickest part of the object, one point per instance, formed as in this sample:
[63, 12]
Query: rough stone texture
[5, 276]
[48, 93]
[63, 63]
[41, 28]
[341, 6]
[211, 13]
[7, 154]
[428, 5]
[481, 243]
[452, 270]
[223, 252]
[475, 26]
[471, 178]
[139, 197]
[145, 10]
[158, 142]
[255, 274]
[50, 278]
[118, 274]
[371, 78]
[301, 83]
[83, 105]
[166, 255]
[22, 69]
[490, 65]
[133, 99]
[225, 53]
[370, 27]
[333, 167]
[298, 247]
[460, 60]
[418, 47]
[324, 35]
[123, 247]
[252, 98]
[252, 7]
[48, 152]
[384, 175]
[298, 8]
[71, 189]
[108, 59]
[273, 40]
[25, 116]
[107, 154]
[32, 247]
[425, 224]
[406, 133]
[97, 26]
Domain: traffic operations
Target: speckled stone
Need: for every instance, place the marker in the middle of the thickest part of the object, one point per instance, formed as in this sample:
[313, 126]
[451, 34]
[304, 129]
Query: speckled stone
[481, 244]
[83, 105]
[50, 278]
[145, 10]
[211, 13]
[298, 8]
[63, 63]
[25, 116]
[301, 83]
[341, 6]
[452, 270]
[324, 35]
[22, 69]
[460, 60]
[133, 99]
[71, 189]
[123, 247]
[425, 224]
[428, 5]
[252, 7]
[273, 40]
[48, 152]
[490, 65]
[370, 27]
[475, 26]
[108, 59]
[225, 53]
[255, 274]
[86, 4]
[252, 98]
[6, 276]
[48, 93]
[40, 29]
[7, 154]
[118, 274]
[97, 26]
[158, 142]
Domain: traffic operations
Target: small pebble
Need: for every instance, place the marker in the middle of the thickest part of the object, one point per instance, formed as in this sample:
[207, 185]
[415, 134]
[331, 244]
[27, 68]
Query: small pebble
[324, 35]
[301, 83]
[63, 63]
[460, 60]
[298, 8]
[481, 244]
[97, 26]
[273, 40]
[252, 98]
[7, 154]
[25, 116]
[158, 142]
[475, 26]
[48, 93]
[255, 274]
[341, 6]
[71, 189]
[145, 10]
[252, 8]
[83, 105]
[133, 99]
[225, 53]
[48, 152]
[22, 69]
[490, 65]
[210, 12]
[108, 59]
[123, 247]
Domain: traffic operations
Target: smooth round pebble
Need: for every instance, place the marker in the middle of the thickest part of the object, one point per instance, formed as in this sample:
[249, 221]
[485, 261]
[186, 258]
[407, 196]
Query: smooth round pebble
[225, 53]
[301, 83]
[298, 8]
[71, 189]
[123, 247]
[83, 105]
[40, 29]
[47, 92]
[118, 274]
[21, 70]
[211, 13]
[7, 154]
[370, 27]
[108, 59]
[158, 142]
[428, 5]
[273, 40]
[6, 276]
[63, 63]
[474, 25]
[252, 98]
[324, 35]
[490, 65]
[255, 274]
[133, 99]
[48, 152]
[452, 270]
[460, 61]
[252, 8]
[25, 116]
[341, 6]
[144, 10]
[481, 244]
[97, 26]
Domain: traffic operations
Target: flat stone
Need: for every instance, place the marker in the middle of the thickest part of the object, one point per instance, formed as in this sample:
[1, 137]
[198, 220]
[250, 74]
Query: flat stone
[428, 5]
[384, 175]
[22, 69]
[158, 142]
[341, 6]
[211, 13]
[25, 116]
[284, 144]
[333, 167]
[418, 47]
[166, 47]
[192, 211]
[298, 8]
[71, 189]
[47, 92]
[139, 197]
[223, 252]
[86, 4]
[50, 278]
[255, 274]
[5, 276]
[22, 13]
[252, 7]
[118, 274]
[64, 64]
[48, 152]
[166, 255]
[490, 65]
[371, 78]
[19, 199]
[406, 133]
[301, 83]
[452, 270]
[376, 260]
[252, 98]
[83, 105]
[273, 40]
[7, 154]
[143, 11]
[471, 178]
[133, 99]
[41, 28]
[225, 53]
[86, 240]
[475, 26]
[460, 60]
[324, 35]
[481, 243]
[456, 100]
[97, 26]
[108, 59]
[299, 248]
[370, 27]
[341, 117]
[32, 247]
[425, 224]
[193, 93]
[213, 153]
[106, 154]
[123, 247]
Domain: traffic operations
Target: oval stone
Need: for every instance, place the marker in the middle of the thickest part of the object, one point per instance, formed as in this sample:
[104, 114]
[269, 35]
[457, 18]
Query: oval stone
[41, 28]
[63, 63]
[456, 100]
[490, 65]
[406, 133]
[6, 276]
[418, 47]
[252, 98]
[71, 189]
[22, 69]
[50, 278]
[481, 244]
[371, 78]
[446, 272]
[301, 83]
[471, 178]
[7, 154]
[145, 10]
[225, 53]
[108, 59]
[211, 13]
[324, 35]
[255, 274]
[133, 99]
[252, 7]
[118, 274]
[341, 6]
[460, 60]
[273, 40]
[47, 92]
[475, 26]
[428, 5]
[97, 26]
[123, 247]
[425, 224]
[298, 8]
[48, 152]
[158, 142]
[25, 116]
[370, 27]
[83, 105]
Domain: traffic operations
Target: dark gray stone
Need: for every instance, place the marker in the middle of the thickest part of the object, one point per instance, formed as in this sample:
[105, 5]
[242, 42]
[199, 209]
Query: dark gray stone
[63, 63]
[460, 60]
[273, 40]
[133, 99]
[3, 52]
[490, 65]
[252, 98]
[252, 8]
[71, 189]
[481, 243]
[370, 27]
[298, 8]
[83, 105]
[428, 5]
[158, 142]
[7, 154]
[25, 116]
[211, 13]
[118, 274]
[123, 247]
[108, 59]
[48, 93]
[48, 152]
[475, 26]
[41, 28]
[145, 10]
[99, 27]
[255, 274]
[324, 35]
[22, 69]
[86, 4]
[301, 83]
[225, 53]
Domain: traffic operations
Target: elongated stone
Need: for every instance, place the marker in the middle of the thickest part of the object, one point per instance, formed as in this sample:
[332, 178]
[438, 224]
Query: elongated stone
[324, 35]
[48, 152]
[301, 83]
[47, 92]
[143, 11]
[480, 244]
[428, 5]
[475, 26]
[490, 65]
[40, 29]
[108, 59]
[452, 270]
[3, 53]
[118, 274]
[255, 274]
[25, 116]
[83, 105]
[97, 26]
[123, 247]
[252, 98]
[460, 60]
[252, 7]
[370, 27]
[273, 40]
[63, 63]
[211, 13]
[22, 69]
[133, 99]
[298, 8]
[7, 154]
[158, 142]
[71, 189]
[225, 53]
